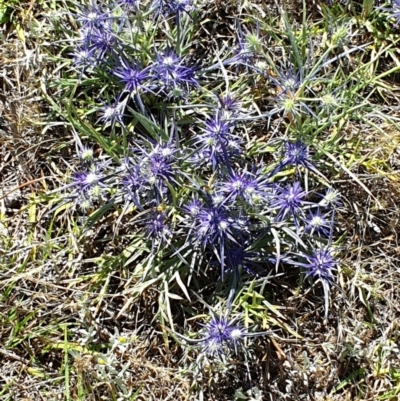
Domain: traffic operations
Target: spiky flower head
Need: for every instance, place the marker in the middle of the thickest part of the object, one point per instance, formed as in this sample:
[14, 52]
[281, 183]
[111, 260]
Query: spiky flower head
[170, 73]
[319, 264]
[193, 207]
[217, 141]
[213, 225]
[289, 201]
[132, 76]
[93, 16]
[286, 81]
[111, 113]
[156, 228]
[249, 187]
[297, 154]
[84, 57]
[104, 42]
[134, 184]
[221, 335]
[318, 223]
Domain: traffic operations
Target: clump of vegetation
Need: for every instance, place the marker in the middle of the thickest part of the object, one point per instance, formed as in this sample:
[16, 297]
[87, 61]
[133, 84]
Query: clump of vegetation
[202, 189]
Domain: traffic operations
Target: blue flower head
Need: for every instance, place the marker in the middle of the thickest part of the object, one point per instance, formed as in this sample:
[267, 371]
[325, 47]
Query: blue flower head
[289, 201]
[172, 76]
[132, 76]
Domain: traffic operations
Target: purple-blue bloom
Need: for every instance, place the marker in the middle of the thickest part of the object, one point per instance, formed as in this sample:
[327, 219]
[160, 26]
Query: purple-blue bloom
[220, 333]
[289, 201]
[286, 81]
[112, 113]
[132, 76]
[193, 207]
[216, 140]
[93, 16]
[319, 264]
[169, 7]
[104, 42]
[251, 188]
[297, 154]
[318, 223]
[160, 168]
[156, 227]
[84, 57]
[171, 75]
[134, 183]
[213, 225]
[85, 180]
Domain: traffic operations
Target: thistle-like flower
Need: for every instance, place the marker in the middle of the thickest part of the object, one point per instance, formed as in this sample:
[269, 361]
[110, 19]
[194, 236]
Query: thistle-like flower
[246, 186]
[319, 264]
[134, 183]
[104, 42]
[297, 154]
[318, 223]
[221, 334]
[213, 226]
[286, 81]
[169, 7]
[289, 201]
[216, 140]
[193, 207]
[157, 229]
[84, 57]
[112, 113]
[93, 16]
[132, 76]
[171, 74]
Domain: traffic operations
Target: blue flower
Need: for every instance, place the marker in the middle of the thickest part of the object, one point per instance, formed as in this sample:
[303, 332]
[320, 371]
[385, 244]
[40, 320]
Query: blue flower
[132, 76]
[93, 16]
[220, 333]
[171, 75]
[216, 140]
[104, 42]
[286, 81]
[169, 7]
[112, 113]
[319, 264]
[213, 225]
[134, 183]
[318, 223]
[193, 207]
[289, 201]
[297, 154]
[84, 57]
[251, 188]
[156, 228]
